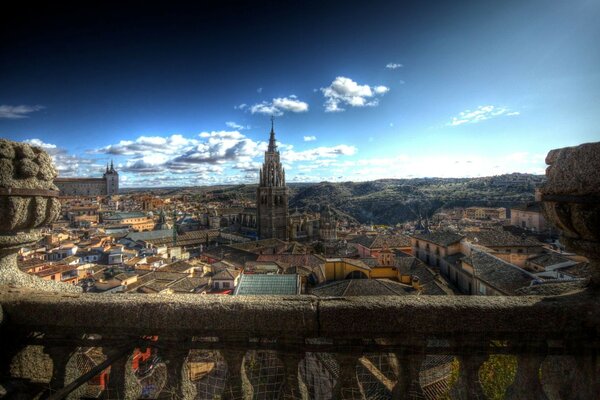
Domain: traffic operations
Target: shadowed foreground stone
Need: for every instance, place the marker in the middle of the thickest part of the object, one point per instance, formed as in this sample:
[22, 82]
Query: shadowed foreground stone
[27, 202]
[571, 200]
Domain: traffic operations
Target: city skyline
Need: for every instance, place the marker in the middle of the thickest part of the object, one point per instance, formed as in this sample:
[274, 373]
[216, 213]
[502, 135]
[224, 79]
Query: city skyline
[394, 90]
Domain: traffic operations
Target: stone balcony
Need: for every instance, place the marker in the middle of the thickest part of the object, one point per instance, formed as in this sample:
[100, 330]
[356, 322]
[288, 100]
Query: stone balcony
[59, 343]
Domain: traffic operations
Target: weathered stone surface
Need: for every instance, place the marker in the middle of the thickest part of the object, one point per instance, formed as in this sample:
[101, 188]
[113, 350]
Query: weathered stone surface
[458, 315]
[25, 168]
[571, 200]
[577, 315]
[573, 170]
[145, 314]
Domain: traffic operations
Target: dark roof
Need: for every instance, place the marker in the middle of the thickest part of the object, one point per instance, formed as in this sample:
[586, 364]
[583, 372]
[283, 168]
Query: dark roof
[548, 259]
[497, 273]
[501, 238]
[187, 285]
[551, 288]
[225, 274]
[178, 266]
[261, 284]
[186, 238]
[150, 235]
[382, 241]
[362, 287]
[370, 261]
[259, 245]
[432, 282]
[441, 238]
[294, 260]
[531, 207]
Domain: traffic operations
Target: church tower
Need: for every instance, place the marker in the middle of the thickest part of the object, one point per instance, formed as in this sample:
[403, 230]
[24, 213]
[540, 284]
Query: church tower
[111, 176]
[328, 225]
[272, 195]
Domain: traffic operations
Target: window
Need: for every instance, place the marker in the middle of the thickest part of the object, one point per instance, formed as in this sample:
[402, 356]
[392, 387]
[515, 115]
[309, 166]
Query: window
[482, 288]
[225, 285]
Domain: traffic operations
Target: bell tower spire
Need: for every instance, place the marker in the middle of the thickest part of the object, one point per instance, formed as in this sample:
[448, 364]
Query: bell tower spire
[272, 142]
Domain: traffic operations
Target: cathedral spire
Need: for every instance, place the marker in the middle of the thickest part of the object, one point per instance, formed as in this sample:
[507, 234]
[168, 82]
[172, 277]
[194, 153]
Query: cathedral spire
[112, 168]
[272, 143]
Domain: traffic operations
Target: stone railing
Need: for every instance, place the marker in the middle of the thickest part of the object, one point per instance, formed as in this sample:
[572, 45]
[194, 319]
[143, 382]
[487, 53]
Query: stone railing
[58, 343]
[45, 333]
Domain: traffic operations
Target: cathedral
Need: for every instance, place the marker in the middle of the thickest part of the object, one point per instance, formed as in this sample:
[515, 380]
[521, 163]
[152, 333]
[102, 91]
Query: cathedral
[272, 195]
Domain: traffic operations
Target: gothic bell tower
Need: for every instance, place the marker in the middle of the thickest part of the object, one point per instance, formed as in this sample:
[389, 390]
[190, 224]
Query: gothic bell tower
[272, 195]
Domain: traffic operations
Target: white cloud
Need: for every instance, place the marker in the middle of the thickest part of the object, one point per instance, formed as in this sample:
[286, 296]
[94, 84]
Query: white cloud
[40, 143]
[419, 165]
[481, 113]
[17, 112]
[259, 90]
[318, 153]
[68, 164]
[211, 157]
[279, 105]
[310, 138]
[345, 91]
[236, 126]
[393, 66]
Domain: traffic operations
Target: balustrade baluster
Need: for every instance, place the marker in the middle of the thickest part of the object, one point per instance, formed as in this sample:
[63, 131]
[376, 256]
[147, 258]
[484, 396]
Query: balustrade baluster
[468, 386]
[408, 385]
[527, 384]
[178, 384]
[122, 382]
[60, 356]
[346, 386]
[236, 387]
[291, 385]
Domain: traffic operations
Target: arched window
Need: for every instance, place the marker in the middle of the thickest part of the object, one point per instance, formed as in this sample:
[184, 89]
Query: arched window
[357, 275]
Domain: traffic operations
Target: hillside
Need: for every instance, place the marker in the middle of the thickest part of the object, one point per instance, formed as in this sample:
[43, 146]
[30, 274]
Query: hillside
[389, 201]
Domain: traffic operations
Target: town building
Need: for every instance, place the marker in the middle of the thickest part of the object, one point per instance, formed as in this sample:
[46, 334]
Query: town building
[485, 213]
[528, 216]
[108, 185]
[272, 195]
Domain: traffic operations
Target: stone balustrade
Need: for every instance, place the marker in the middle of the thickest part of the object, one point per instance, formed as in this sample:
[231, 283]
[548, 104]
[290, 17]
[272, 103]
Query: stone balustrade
[541, 332]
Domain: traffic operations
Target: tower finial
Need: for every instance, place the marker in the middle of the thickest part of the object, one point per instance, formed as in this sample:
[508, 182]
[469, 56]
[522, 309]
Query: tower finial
[272, 143]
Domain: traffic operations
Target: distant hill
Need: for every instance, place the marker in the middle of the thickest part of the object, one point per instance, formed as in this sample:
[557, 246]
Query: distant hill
[388, 201]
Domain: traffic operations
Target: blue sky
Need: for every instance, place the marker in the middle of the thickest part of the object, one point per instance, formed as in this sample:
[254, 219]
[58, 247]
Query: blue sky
[361, 90]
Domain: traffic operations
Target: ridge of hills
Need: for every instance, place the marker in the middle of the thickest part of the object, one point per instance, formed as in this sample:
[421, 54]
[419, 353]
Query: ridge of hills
[385, 201]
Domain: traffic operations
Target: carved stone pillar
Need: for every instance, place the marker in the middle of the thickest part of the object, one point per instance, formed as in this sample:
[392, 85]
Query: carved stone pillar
[468, 386]
[235, 387]
[28, 201]
[527, 385]
[346, 386]
[291, 385]
[122, 382]
[571, 200]
[178, 384]
[60, 356]
[408, 385]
